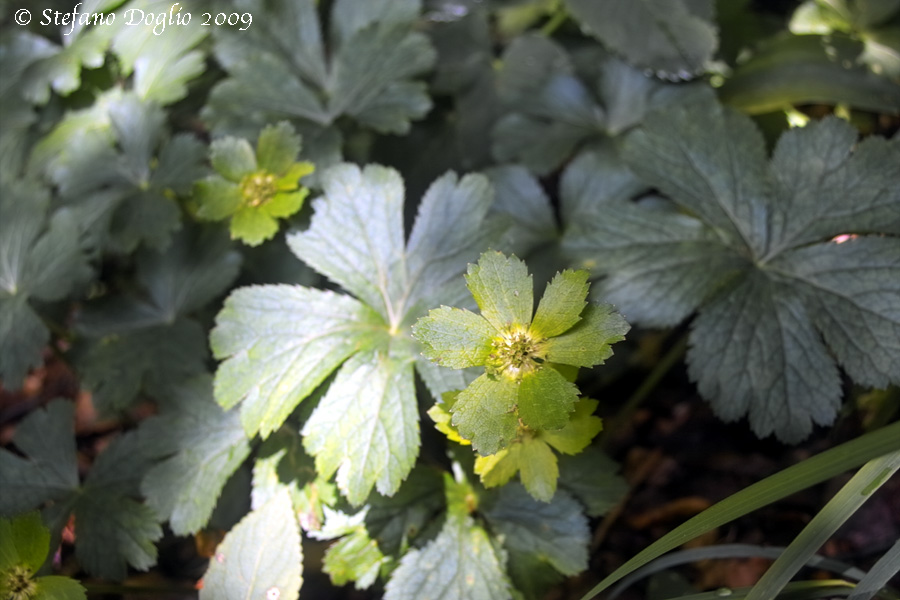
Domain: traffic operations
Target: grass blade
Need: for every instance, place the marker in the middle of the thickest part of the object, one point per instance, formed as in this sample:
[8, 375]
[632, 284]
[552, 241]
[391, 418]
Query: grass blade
[834, 514]
[886, 567]
[811, 471]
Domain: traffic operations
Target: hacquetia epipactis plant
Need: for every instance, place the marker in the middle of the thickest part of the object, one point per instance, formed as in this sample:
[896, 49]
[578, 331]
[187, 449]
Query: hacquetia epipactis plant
[372, 367]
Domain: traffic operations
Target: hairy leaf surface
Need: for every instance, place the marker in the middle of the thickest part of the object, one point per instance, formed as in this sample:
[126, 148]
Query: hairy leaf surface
[774, 255]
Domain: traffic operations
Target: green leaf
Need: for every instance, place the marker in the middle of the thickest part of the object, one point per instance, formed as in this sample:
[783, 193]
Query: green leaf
[366, 426]
[50, 471]
[715, 167]
[202, 446]
[355, 558]
[580, 429]
[280, 342]
[555, 531]
[799, 69]
[397, 521]
[372, 58]
[131, 201]
[461, 563]
[363, 212]
[503, 290]
[25, 541]
[281, 464]
[113, 530]
[816, 168]
[260, 558]
[851, 289]
[662, 35]
[750, 260]
[455, 338]
[521, 200]
[58, 68]
[592, 478]
[485, 413]
[163, 59]
[56, 587]
[40, 258]
[232, 158]
[588, 343]
[531, 455]
[277, 147]
[24, 544]
[545, 399]
[561, 305]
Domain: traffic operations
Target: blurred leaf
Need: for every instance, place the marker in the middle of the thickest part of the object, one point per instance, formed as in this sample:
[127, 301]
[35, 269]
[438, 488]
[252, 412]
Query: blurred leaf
[260, 558]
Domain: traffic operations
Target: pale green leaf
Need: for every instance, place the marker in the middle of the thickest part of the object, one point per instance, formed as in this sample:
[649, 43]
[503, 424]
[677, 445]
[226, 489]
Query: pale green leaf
[545, 399]
[556, 532]
[356, 235]
[460, 564]
[503, 290]
[366, 427]
[561, 305]
[202, 446]
[260, 558]
[662, 35]
[485, 413]
[252, 226]
[232, 158]
[455, 338]
[58, 68]
[356, 558]
[579, 431]
[162, 58]
[277, 147]
[538, 470]
[437, 253]
[280, 342]
[588, 343]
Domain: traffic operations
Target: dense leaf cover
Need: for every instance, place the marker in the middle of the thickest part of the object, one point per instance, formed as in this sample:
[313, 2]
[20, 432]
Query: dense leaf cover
[368, 367]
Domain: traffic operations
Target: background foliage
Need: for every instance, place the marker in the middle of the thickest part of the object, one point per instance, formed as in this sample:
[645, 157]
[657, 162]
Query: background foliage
[286, 370]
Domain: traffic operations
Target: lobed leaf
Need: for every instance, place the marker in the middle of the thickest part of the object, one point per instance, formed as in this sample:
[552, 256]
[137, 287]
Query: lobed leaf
[460, 563]
[503, 290]
[366, 427]
[261, 557]
[279, 343]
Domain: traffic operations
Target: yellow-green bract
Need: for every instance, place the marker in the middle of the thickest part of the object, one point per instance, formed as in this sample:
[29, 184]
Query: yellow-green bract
[518, 348]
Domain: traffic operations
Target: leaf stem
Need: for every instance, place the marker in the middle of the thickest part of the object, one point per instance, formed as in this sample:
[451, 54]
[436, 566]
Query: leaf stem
[550, 27]
[674, 355]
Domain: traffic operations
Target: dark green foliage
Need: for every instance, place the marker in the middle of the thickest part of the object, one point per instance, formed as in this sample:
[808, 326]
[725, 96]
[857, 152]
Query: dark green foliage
[129, 155]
